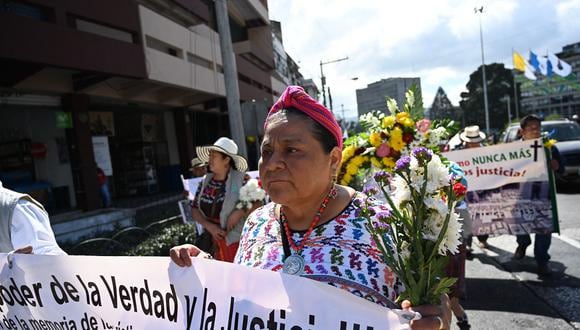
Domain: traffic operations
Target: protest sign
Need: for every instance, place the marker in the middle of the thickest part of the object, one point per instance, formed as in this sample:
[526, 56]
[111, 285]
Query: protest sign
[508, 188]
[126, 293]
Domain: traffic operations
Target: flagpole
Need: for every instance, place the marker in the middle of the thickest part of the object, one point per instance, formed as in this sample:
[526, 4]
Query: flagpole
[516, 101]
[485, 104]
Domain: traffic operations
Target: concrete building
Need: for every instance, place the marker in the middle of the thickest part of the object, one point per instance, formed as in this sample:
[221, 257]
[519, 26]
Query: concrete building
[553, 95]
[311, 88]
[131, 85]
[373, 97]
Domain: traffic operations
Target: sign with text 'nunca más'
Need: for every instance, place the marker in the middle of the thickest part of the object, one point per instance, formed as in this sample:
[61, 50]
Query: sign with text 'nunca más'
[126, 293]
[509, 188]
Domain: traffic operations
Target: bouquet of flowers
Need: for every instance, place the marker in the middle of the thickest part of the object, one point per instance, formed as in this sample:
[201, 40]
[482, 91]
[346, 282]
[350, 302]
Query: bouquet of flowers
[421, 227]
[388, 137]
[249, 193]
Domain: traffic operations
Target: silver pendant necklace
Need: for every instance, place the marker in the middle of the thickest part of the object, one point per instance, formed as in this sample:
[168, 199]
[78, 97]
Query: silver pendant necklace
[294, 264]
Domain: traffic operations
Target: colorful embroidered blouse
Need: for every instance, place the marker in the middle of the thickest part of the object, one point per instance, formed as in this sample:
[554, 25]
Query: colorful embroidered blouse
[340, 252]
[211, 199]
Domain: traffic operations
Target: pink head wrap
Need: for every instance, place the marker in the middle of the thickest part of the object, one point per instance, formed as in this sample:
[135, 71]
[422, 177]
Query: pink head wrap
[296, 97]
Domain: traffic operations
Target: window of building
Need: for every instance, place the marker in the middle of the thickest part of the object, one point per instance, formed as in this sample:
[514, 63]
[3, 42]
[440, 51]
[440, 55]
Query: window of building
[238, 31]
[163, 47]
[33, 11]
[192, 58]
[102, 30]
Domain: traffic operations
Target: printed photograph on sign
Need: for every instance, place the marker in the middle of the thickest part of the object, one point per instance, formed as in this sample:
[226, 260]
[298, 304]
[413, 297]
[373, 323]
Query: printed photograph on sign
[513, 209]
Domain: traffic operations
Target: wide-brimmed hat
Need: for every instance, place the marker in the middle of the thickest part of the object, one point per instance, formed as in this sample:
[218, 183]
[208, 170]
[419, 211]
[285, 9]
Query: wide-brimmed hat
[196, 163]
[225, 146]
[472, 134]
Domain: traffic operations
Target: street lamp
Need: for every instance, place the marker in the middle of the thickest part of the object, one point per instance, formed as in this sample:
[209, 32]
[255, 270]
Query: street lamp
[480, 11]
[323, 78]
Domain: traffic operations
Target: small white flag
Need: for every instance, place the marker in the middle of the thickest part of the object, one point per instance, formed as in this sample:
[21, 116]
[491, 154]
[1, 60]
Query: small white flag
[559, 67]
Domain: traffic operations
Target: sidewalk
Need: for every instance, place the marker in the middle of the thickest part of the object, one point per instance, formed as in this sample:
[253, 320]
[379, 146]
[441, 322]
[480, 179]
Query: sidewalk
[498, 299]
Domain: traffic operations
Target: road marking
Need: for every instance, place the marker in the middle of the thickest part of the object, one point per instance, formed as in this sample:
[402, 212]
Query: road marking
[568, 240]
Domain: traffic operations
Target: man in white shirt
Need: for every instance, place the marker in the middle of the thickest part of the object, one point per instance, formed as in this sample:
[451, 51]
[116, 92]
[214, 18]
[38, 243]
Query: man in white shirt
[24, 225]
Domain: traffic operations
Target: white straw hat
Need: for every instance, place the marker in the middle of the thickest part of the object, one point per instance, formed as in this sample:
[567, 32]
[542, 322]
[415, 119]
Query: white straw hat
[225, 146]
[196, 162]
[472, 134]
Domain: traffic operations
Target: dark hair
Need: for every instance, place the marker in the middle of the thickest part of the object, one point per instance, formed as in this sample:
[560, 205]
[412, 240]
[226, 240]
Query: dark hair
[528, 120]
[320, 133]
[232, 162]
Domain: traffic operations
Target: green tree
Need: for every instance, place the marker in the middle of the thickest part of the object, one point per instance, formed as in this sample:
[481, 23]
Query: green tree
[499, 85]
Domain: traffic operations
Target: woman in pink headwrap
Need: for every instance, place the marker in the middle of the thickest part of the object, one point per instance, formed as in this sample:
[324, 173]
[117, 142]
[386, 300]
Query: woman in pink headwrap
[312, 227]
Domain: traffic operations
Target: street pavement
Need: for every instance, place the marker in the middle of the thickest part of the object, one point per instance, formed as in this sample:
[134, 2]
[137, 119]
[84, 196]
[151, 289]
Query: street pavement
[503, 293]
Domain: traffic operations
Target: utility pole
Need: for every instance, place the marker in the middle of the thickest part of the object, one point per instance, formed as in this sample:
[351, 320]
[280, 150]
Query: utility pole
[485, 104]
[323, 78]
[230, 76]
[330, 100]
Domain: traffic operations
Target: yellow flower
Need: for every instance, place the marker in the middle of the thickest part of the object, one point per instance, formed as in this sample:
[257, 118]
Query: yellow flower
[396, 139]
[347, 153]
[351, 168]
[389, 162]
[376, 163]
[358, 160]
[550, 143]
[346, 179]
[408, 122]
[388, 122]
[375, 139]
[401, 116]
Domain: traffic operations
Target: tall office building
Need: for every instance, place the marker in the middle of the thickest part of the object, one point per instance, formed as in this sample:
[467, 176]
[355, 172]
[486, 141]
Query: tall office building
[374, 96]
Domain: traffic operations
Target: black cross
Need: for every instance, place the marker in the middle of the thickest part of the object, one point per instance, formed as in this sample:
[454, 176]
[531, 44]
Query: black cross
[536, 146]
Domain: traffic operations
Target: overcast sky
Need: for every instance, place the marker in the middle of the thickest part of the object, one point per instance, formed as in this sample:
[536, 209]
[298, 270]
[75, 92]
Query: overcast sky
[436, 40]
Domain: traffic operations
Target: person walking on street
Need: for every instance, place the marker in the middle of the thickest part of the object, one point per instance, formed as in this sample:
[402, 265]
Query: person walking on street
[472, 137]
[530, 128]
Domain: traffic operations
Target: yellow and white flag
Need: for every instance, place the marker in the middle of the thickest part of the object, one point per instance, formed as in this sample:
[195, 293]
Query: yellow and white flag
[522, 65]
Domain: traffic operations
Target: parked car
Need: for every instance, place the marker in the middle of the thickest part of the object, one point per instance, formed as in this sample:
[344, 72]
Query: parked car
[567, 133]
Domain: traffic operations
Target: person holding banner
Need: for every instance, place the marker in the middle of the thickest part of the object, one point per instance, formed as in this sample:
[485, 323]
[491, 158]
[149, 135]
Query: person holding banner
[530, 129]
[313, 228]
[24, 225]
[214, 205]
[472, 137]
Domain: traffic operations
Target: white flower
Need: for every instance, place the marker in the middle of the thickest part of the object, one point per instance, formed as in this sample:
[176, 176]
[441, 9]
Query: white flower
[410, 98]
[437, 204]
[401, 192]
[452, 238]
[392, 106]
[250, 193]
[370, 119]
[437, 135]
[437, 174]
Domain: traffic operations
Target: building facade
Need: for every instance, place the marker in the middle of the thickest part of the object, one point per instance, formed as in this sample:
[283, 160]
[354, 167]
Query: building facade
[132, 90]
[553, 95]
[374, 96]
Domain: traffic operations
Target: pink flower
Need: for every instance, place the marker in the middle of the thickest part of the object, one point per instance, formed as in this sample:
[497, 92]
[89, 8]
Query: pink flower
[383, 150]
[423, 125]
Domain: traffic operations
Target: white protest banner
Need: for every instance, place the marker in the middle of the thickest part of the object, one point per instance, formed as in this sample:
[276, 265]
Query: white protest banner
[500, 164]
[508, 188]
[126, 293]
